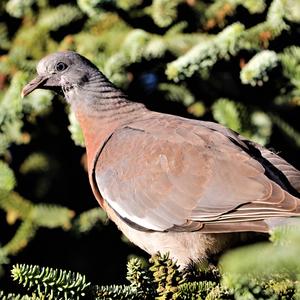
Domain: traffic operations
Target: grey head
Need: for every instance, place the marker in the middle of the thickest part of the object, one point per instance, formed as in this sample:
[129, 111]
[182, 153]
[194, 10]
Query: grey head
[83, 85]
[63, 72]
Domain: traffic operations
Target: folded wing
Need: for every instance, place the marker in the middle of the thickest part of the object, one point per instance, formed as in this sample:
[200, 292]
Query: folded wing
[174, 174]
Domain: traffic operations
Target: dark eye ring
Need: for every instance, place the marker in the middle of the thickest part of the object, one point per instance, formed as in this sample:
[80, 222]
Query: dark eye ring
[60, 66]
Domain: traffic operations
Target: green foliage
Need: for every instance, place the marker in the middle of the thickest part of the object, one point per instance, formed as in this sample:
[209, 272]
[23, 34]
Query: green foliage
[255, 71]
[290, 61]
[150, 283]
[4, 41]
[166, 275]
[162, 279]
[51, 216]
[36, 162]
[37, 104]
[216, 13]
[140, 278]
[7, 178]
[33, 216]
[163, 12]
[255, 125]
[266, 262]
[268, 274]
[55, 283]
[178, 93]
[12, 296]
[90, 7]
[89, 219]
[11, 113]
[229, 42]
[19, 8]
[59, 16]
[23, 235]
[197, 109]
[75, 130]
[202, 57]
[116, 292]
[226, 113]
[231, 61]
[261, 127]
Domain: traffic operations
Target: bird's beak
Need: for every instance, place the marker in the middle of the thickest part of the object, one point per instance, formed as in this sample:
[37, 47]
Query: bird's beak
[37, 82]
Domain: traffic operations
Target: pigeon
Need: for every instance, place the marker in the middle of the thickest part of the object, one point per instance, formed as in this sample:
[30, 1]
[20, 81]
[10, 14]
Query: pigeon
[173, 185]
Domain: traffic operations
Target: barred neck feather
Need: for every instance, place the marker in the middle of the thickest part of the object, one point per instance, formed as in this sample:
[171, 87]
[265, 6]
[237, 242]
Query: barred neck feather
[96, 97]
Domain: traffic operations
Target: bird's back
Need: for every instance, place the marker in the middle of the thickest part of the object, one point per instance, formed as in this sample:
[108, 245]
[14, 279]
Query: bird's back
[163, 173]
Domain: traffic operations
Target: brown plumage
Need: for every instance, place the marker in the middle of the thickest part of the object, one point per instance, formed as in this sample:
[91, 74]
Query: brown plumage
[170, 184]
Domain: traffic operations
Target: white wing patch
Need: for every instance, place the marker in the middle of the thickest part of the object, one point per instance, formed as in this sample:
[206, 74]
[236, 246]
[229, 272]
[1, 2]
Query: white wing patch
[144, 222]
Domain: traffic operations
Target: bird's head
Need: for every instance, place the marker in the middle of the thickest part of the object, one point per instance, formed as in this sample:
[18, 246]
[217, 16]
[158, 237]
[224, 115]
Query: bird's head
[61, 71]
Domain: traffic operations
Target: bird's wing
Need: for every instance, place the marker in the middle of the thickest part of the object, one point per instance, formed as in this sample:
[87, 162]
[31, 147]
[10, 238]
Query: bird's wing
[290, 175]
[169, 173]
[276, 167]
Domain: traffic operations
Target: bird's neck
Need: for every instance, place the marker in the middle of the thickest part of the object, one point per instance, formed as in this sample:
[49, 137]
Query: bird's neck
[100, 109]
[99, 98]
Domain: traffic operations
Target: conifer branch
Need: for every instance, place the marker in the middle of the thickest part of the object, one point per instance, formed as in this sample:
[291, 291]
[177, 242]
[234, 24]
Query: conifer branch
[23, 235]
[264, 260]
[11, 113]
[166, 275]
[89, 219]
[122, 292]
[54, 18]
[129, 4]
[7, 177]
[255, 72]
[290, 60]
[178, 93]
[91, 7]
[75, 130]
[51, 216]
[203, 56]
[18, 8]
[4, 40]
[13, 296]
[37, 104]
[199, 290]
[226, 113]
[15, 206]
[229, 42]
[53, 283]
[163, 12]
[216, 13]
[35, 162]
[140, 278]
[197, 109]
[261, 127]
[163, 280]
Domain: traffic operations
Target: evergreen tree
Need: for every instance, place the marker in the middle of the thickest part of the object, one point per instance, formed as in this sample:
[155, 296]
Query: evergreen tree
[230, 61]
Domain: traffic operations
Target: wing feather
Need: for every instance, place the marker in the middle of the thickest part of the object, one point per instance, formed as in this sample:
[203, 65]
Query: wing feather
[169, 173]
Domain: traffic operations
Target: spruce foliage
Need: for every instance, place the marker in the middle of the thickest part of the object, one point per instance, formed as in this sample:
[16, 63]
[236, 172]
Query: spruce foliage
[230, 61]
[267, 274]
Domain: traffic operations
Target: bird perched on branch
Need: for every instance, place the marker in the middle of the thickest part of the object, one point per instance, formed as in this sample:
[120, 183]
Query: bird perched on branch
[170, 184]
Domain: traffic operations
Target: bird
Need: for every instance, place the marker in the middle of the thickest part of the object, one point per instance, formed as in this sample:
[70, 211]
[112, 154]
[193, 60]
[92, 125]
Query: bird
[185, 187]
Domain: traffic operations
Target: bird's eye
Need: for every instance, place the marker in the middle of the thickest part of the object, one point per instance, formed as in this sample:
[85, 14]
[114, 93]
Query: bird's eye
[60, 66]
